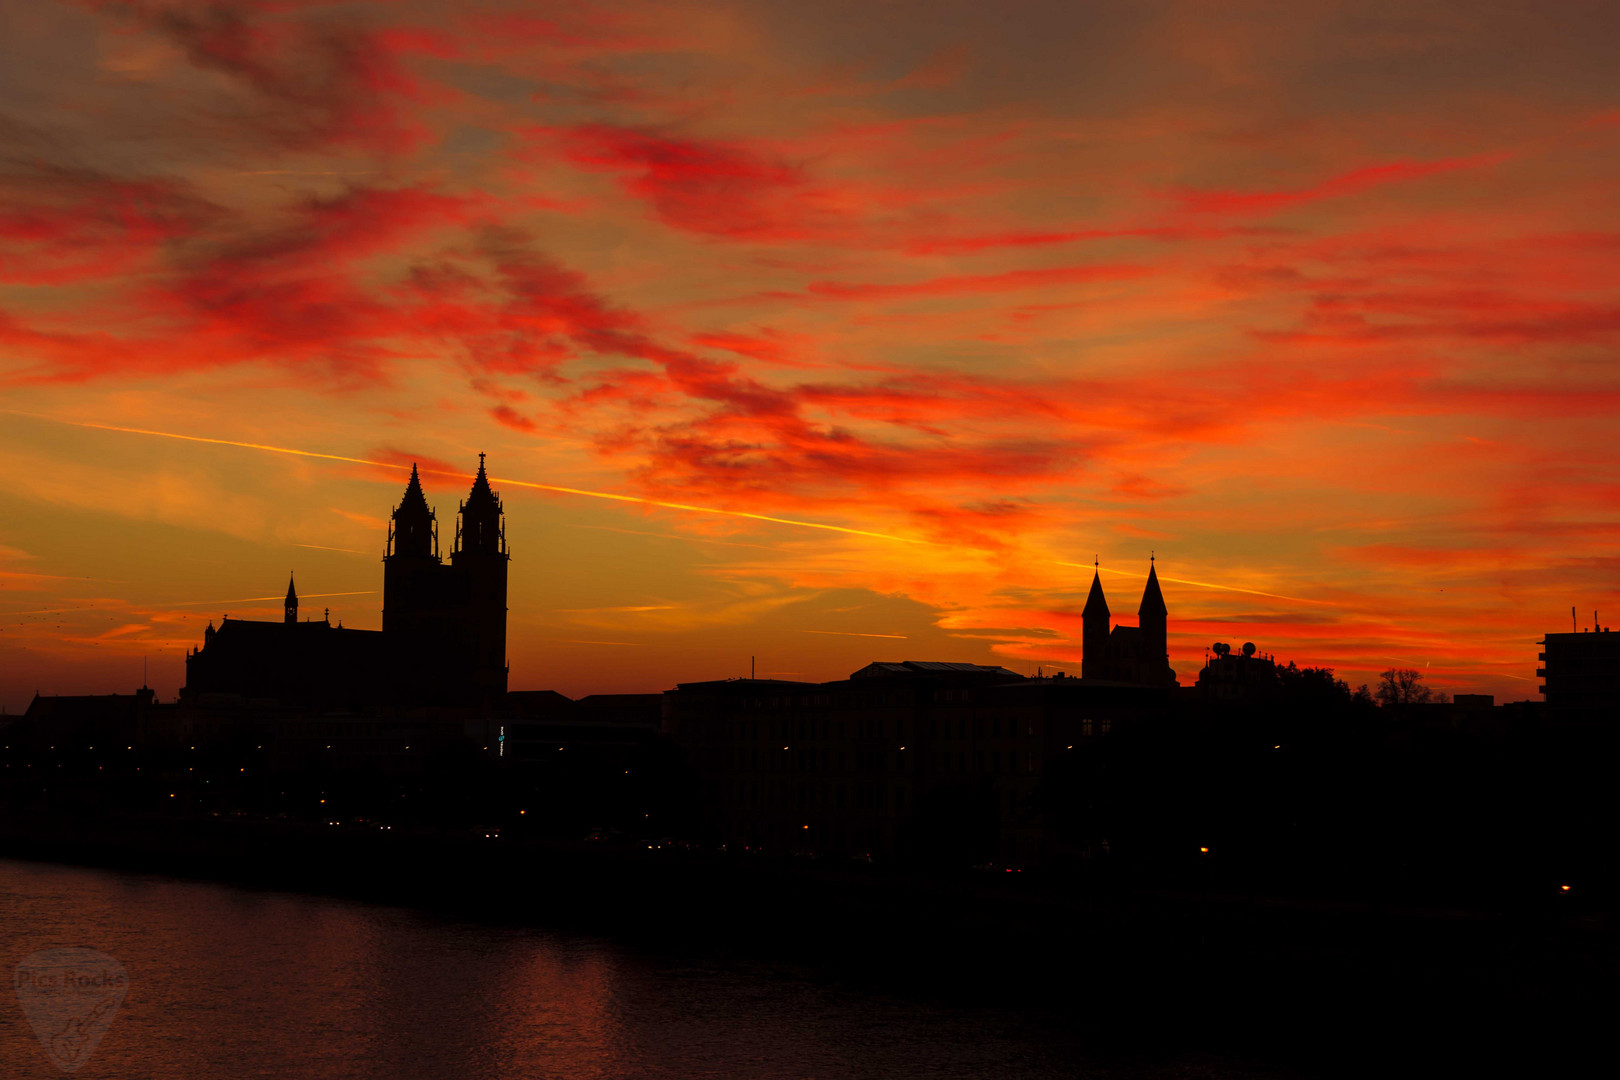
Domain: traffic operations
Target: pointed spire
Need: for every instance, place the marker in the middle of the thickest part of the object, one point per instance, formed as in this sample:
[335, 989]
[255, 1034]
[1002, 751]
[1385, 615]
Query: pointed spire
[1152, 598]
[292, 600]
[413, 533]
[481, 496]
[1096, 605]
[413, 499]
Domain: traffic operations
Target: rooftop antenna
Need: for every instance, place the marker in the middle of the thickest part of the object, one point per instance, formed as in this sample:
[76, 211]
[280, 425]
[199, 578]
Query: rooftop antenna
[1572, 618]
[143, 672]
[750, 668]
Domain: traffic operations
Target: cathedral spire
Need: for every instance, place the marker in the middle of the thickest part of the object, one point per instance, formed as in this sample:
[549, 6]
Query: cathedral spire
[481, 527]
[1094, 623]
[413, 531]
[291, 615]
[1096, 605]
[1152, 598]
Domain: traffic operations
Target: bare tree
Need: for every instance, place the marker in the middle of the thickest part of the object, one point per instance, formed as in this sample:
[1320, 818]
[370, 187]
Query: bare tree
[1402, 686]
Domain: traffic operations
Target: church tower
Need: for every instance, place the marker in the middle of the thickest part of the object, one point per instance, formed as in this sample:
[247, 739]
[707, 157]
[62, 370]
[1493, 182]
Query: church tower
[1152, 617]
[481, 558]
[1094, 632]
[291, 610]
[411, 593]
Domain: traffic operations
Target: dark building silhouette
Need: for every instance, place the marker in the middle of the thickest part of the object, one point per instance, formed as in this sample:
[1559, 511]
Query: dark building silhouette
[1582, 676]
[1130, 654]
[443, 639]
[922, 759]
[80, 722]
[1245, 677]
[449, 619]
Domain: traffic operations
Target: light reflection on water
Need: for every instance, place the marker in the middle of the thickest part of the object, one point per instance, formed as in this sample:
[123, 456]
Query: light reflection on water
[234, 983]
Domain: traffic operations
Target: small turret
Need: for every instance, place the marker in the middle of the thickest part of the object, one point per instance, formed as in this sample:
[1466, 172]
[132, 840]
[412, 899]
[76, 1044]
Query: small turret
[292, 601]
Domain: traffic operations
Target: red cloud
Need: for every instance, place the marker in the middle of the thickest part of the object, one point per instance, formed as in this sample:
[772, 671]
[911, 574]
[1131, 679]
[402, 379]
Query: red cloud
[711, 187]
[314, 82]
[1010, 281]
[510, 417]
[1346, 183]
[60, 226]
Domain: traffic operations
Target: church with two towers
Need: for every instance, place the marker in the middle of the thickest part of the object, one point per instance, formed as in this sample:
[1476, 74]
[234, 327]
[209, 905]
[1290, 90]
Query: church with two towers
[443, 636]
[1138, 654]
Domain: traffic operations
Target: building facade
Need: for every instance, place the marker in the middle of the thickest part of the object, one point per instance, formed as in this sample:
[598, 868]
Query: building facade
[1581, 673]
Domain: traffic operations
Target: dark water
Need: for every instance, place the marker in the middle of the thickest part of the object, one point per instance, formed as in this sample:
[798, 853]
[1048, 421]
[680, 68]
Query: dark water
[225, 982]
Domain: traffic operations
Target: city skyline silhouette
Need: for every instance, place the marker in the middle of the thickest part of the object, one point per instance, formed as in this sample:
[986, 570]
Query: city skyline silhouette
[679, 538]
[877, 338]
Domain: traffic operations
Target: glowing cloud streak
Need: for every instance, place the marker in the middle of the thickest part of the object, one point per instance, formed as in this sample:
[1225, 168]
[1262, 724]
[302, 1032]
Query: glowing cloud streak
[689, 508]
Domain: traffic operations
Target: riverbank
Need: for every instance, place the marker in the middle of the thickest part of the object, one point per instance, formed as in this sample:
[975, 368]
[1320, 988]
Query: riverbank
[1336, 984]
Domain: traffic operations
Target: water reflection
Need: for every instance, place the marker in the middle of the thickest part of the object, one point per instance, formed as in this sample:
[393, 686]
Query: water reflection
[228, 982]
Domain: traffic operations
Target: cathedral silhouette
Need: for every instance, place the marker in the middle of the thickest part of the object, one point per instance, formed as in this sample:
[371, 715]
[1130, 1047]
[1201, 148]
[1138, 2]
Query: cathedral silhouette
[443, 636]
[1129, 654]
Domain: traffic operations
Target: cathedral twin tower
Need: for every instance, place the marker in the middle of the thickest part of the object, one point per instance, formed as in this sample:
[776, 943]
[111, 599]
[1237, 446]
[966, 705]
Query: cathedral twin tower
[451, 617]
[443, 638]
[1130, 654]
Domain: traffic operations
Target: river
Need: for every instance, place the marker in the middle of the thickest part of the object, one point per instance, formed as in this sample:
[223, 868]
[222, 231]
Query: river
[230, 982]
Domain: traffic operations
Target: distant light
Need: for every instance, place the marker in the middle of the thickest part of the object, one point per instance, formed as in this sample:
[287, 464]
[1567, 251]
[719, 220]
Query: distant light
[323, 802]
[1203, 851]
[1277, 747]
[171, 794]
[1563, 888]
[809, 826]
[522, 811]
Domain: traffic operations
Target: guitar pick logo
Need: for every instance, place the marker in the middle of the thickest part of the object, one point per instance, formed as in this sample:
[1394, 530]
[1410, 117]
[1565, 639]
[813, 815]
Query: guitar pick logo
[70, 997]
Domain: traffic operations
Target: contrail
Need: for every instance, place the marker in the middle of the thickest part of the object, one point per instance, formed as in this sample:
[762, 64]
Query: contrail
[850, 633]
[256, 599]
[689, 508]
[583, 641]
[1203, 584]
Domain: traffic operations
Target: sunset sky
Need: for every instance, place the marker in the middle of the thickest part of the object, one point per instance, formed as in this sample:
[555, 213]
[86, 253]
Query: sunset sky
[1317, 301]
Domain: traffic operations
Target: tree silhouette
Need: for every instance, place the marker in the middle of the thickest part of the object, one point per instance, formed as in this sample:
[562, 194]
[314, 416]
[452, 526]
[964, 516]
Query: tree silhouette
[1402, 686]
